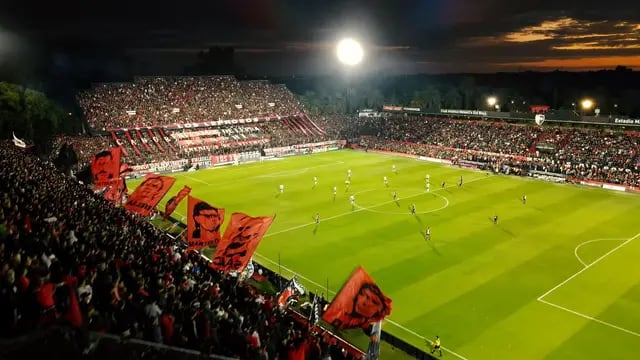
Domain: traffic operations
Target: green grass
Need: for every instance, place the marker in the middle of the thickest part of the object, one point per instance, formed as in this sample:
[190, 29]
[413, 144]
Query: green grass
[475, 284]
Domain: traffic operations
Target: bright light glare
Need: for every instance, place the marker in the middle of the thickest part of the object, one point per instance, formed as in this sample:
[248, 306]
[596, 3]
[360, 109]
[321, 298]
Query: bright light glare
[492, 101]
[587, 104]
[349, 52]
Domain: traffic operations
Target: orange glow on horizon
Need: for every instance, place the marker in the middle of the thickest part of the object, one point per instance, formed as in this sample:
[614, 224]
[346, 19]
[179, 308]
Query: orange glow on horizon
[585, 63]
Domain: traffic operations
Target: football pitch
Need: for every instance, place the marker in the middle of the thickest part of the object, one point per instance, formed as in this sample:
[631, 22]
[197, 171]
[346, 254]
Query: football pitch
[557, 277]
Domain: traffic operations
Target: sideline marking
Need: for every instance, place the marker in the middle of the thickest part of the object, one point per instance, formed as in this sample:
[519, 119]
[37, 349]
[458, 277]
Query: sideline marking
[575, 251]
[386, 319]
[590, 318]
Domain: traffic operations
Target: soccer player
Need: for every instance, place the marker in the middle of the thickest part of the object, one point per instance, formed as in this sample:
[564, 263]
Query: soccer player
[317, 217]
[444, 184]
[460, 183]
[427, 177]
[335, 191]
[349, 174]
[386, 181]
[427, 233]
[281, 188]
[395, 196]
[436, 346]
[315, 181]
[495, 219]
[413, 209]
[524, 199]
[393, 169]
[347, 183]
[352, 200]
[428, 187]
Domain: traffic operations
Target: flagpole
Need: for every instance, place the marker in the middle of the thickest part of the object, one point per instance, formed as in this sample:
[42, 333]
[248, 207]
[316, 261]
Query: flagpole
[279, 273]
[328, 289]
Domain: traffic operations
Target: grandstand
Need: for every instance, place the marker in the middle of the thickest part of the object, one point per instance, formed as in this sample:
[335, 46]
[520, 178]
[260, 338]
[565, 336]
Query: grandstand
[133, 280]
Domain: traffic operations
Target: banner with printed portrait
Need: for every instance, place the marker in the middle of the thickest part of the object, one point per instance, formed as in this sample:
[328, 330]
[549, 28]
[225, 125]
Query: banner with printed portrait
[359, 303]
[240, 240]
[105, 167]
[147, 195]
[203, 224]
[116, 190]
[175, 200]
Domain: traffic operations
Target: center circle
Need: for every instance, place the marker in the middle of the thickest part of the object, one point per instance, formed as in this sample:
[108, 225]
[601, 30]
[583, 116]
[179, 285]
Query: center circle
[381, 201]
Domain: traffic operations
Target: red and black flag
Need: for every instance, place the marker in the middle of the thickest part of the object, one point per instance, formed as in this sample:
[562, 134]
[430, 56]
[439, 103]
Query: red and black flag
[359, 303]
[203, 223]
[175, 200]
[147, 195]
[239, 242]
[116, 191]
[291, 293]
[105, 167]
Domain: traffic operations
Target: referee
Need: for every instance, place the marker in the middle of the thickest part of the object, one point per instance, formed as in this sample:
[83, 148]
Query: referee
[436, 346]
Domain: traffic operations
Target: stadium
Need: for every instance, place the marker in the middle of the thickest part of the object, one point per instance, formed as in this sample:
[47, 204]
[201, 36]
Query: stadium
[214, 216]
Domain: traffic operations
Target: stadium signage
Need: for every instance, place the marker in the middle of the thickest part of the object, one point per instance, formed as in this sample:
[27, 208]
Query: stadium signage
[435, 160]
[391, 108]
[411, 109]
[627, 121]
[463, 112]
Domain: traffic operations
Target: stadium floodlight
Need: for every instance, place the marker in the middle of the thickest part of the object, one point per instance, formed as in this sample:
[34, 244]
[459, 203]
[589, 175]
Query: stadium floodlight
[492, 101]
[349, 52]
[586, 104]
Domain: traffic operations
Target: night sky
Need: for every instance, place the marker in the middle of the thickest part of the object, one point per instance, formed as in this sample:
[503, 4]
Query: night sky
[297, 36]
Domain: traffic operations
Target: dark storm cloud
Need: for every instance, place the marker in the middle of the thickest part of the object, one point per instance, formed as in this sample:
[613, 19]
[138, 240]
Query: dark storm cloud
[412, 35]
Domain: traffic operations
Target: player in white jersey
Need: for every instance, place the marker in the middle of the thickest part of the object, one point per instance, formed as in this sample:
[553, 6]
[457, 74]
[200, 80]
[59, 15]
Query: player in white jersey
[524, 199]
[281, 188]
[315, 181]
[317, 218]
[349, 174]
[352, 200]
[393, 169]
[428, 187]
[386, 181]
[335, 191]
[427, 177]
[347, 183]
[427, 233]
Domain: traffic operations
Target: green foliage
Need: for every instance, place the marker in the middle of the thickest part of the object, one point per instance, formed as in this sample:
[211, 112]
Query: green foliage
[30, 114]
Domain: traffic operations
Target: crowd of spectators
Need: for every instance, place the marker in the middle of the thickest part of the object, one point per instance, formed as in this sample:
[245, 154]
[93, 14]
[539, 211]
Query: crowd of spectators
[70, 258]
[157, 101]
[585, 154]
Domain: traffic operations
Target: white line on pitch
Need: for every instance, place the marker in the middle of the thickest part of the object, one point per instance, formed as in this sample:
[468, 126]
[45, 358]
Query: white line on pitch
[590, 265]
[333, 292]
[196, 179]
[590, 318]
[575, 251]
[364, 209]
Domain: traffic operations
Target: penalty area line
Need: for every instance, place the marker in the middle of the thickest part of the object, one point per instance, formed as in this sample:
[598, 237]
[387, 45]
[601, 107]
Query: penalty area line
[589, 265]
[333, 292]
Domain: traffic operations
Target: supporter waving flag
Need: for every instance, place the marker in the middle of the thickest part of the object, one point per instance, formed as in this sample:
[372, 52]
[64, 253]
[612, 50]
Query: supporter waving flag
[116, 190]
[203, 223]
[290, 294]
[240, 240]
[314, 316]
[147, 195]
[173, 203]
[105, 167]
[359, 303]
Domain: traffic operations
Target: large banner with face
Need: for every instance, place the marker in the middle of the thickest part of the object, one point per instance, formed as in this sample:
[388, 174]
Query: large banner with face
[240, 240]
[203, 224]
[175, 200]
[148, 194]
[117, 190]
[359, 303]
[105, 167]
